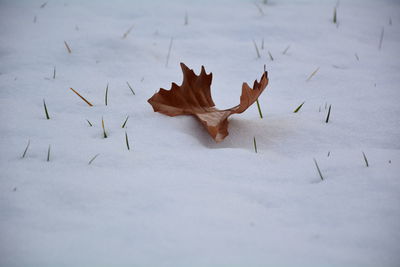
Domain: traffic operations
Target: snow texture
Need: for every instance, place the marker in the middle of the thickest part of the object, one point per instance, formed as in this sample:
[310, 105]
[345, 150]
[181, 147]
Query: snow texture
[177, 198]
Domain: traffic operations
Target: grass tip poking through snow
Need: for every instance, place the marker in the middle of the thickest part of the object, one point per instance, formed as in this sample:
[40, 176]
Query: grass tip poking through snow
[365, 160]
[130, 87]
[26, 149]
[67, 47]
[95, 156]
[104, 129]
[299, 107]
[127, 141]
[255, 144]
[329, 114]
[106, 95]
[319, 171]
[256, 48]
[45, 110]
[124, 124]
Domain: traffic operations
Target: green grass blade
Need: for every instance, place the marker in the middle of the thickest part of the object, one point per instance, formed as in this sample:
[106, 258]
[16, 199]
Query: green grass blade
[123, 125]
[127, 141]
[329, 114]
[259, 109]
[45, 110]
[106, 96]
[299, 107]
[255, 144]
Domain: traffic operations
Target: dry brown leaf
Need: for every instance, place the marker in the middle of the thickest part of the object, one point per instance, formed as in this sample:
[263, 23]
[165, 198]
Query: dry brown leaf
[193, 97]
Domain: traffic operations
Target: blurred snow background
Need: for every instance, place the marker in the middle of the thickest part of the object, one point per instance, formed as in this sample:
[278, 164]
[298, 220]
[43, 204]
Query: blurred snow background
[177, 198]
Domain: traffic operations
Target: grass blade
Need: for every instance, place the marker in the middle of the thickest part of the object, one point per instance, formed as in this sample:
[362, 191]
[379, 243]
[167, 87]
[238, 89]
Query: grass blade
[90, 162]
[130, 87]
[259, 9]
[270, 56]
[286, 49]
[123, 125]
[186, 19]
[169, 51]
[299, 107]
[319, 171]
[26, 149]
[48, 154]
[381, 39]
[259, 109]
[84, 99]
[329, 113]
[127, 32]
[358, 59]
[255, 144]
[45, 110]
[54, 73]
[365, 159]
[257, 51]
[68, 48]
[106, 95]
[127, 141]
[104, 130]
[90, 124]
[334, 15]
[312, 74]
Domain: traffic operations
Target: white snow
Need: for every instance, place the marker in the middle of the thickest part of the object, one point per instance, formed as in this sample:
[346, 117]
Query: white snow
[177, 198]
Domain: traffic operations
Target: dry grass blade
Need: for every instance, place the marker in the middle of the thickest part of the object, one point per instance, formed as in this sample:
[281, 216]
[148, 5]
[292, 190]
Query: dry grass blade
[90, 124]
[68, 48]
[54, 73]
[84, 99]
[312, 74]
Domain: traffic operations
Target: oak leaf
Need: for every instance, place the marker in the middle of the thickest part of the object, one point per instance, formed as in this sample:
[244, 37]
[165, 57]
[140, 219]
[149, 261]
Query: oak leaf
[193, 97]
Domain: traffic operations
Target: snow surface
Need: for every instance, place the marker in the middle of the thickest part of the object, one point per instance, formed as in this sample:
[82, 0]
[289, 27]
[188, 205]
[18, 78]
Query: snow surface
[177, 198]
